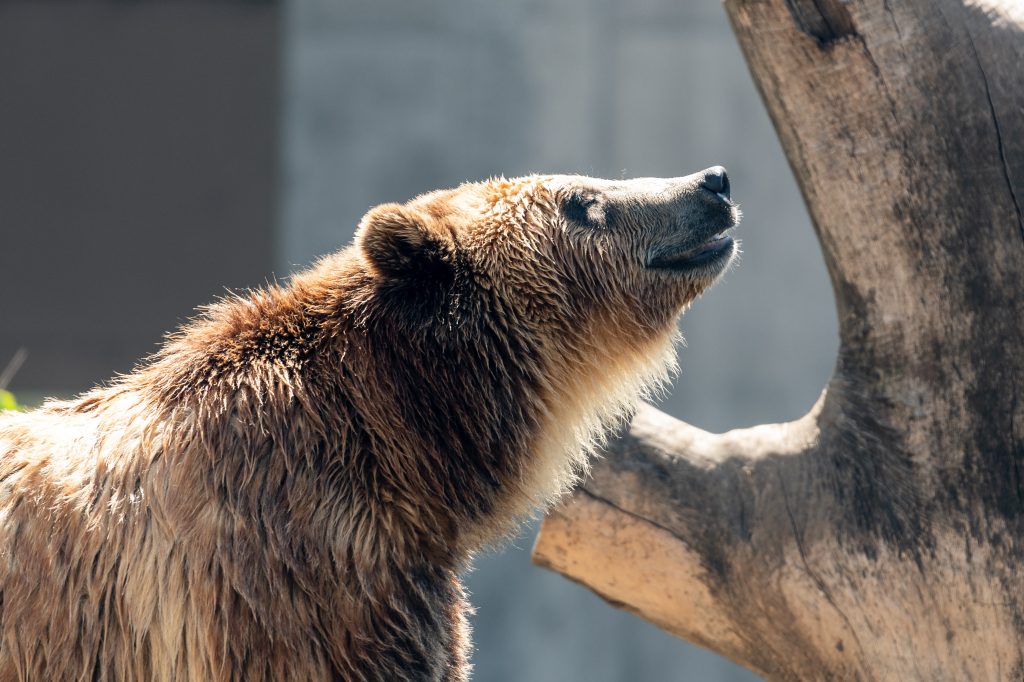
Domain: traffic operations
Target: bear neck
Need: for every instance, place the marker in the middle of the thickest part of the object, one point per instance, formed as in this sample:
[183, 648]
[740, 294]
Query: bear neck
[304, 407]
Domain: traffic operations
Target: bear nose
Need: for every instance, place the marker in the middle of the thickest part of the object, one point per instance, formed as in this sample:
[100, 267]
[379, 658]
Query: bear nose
[716, 180]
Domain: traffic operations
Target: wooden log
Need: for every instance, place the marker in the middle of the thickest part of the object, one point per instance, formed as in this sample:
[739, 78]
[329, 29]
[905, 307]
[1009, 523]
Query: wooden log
[879, 537]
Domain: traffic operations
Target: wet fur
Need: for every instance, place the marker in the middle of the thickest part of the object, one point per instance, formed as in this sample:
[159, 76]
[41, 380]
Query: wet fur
[291, 487]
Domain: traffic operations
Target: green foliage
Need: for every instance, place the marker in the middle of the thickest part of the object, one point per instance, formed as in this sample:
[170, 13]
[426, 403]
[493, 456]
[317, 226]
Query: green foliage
[7, 401]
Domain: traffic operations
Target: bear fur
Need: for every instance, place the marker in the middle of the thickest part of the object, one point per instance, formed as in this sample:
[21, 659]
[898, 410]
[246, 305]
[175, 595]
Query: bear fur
[291, 487]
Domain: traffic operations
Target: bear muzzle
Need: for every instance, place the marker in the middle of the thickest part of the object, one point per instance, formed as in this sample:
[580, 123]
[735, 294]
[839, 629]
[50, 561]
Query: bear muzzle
[697, 237]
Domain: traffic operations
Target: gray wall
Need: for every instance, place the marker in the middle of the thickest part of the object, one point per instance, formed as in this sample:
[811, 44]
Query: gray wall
[386, 99]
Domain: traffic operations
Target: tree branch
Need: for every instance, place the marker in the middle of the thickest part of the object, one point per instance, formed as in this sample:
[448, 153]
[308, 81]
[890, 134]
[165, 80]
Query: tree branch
[655, 527]
[635, 565]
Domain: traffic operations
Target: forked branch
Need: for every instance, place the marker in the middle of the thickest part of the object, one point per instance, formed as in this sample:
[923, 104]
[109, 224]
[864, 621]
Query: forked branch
[877, 538]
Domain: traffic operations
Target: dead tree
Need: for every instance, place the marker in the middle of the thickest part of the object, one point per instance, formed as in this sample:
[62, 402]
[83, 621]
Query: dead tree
[881, 536]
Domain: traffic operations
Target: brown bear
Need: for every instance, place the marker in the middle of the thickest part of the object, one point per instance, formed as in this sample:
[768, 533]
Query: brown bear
[290, 488]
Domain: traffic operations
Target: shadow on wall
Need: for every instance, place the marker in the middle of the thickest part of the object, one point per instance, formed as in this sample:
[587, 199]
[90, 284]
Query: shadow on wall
[384, 100]
[137, 174]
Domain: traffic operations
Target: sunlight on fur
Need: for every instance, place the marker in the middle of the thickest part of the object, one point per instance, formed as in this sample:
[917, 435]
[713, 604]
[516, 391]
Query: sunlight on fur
[591, 405]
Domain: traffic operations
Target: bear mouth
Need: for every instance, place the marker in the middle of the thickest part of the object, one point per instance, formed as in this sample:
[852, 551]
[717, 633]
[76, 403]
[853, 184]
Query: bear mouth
[714, 251]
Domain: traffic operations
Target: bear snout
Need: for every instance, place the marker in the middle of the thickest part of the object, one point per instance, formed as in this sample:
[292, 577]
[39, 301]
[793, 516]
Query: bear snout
[716, 181]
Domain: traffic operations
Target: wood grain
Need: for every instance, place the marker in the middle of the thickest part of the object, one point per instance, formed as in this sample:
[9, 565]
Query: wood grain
[879, 537]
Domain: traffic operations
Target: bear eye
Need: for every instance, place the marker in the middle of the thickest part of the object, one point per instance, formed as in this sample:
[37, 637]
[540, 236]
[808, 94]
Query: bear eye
[584, 208]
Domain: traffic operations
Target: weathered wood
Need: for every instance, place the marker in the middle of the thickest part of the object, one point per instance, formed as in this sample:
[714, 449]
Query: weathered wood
[879, 537]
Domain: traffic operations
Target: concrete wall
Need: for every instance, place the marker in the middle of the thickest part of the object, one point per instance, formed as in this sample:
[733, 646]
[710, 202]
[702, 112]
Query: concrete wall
[385, 99]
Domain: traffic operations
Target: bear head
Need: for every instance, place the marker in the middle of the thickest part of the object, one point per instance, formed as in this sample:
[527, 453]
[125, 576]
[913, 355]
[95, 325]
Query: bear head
[556, 296]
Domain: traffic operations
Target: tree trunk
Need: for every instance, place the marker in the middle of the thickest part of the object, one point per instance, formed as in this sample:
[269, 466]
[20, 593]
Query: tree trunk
[880, 536]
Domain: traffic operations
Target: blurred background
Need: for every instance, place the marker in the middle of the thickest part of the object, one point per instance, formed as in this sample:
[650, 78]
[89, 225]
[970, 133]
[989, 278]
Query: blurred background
[154, 153]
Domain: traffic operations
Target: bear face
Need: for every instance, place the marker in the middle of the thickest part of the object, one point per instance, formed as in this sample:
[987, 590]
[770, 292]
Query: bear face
[576, 282]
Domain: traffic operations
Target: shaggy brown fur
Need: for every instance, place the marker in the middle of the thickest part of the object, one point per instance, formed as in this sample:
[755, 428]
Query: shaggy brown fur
[290, 488]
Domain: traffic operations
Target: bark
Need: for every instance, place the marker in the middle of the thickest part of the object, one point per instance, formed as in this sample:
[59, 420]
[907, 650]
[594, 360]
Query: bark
[880, 536]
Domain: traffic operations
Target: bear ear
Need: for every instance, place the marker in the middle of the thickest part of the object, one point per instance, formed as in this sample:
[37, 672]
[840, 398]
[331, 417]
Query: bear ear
[397, 244]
